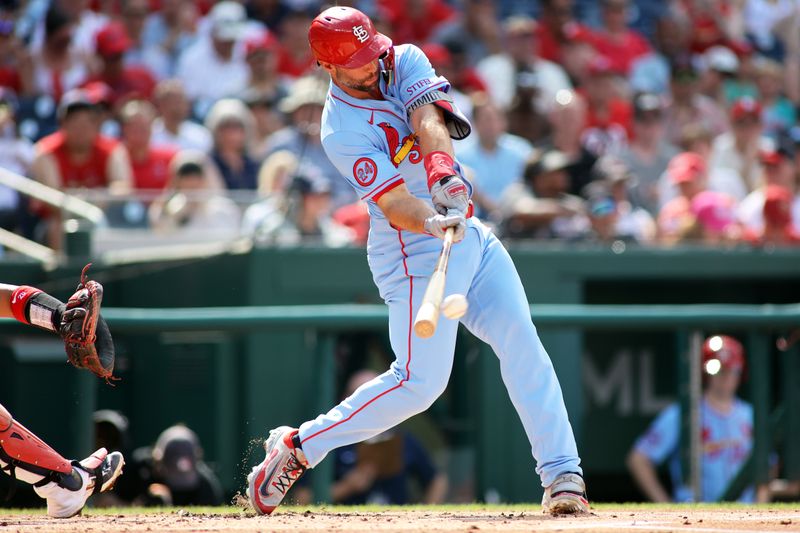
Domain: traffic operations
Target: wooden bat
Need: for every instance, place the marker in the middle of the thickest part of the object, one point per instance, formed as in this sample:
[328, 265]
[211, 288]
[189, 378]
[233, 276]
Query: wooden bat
[428, 314]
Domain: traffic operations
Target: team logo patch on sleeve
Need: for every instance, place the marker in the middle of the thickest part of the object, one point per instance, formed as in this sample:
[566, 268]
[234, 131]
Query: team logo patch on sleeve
[365, 171]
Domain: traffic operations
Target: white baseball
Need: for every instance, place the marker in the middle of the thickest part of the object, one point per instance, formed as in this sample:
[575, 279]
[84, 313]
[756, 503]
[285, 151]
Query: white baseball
[454, 306]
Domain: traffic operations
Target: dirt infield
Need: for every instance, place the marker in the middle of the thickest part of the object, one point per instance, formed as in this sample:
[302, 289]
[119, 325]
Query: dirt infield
[607, 519]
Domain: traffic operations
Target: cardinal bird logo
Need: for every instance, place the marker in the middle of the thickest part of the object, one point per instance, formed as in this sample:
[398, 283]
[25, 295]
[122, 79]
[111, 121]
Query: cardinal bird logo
[409, 147]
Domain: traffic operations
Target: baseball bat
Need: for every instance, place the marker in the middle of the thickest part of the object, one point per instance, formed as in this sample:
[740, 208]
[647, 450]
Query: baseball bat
[428, 314]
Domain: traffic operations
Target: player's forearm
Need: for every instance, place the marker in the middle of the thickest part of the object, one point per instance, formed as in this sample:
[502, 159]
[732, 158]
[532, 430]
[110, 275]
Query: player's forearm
[410, 214]
[431, 130]
[404, 210]
[646, 477]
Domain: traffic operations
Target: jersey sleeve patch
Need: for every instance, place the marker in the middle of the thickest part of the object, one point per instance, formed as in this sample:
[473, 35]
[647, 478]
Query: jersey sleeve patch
[365, 171]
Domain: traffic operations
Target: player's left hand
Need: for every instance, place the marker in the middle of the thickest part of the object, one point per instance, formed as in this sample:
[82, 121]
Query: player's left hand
[437, 225]
[450, 193]
[86, 336]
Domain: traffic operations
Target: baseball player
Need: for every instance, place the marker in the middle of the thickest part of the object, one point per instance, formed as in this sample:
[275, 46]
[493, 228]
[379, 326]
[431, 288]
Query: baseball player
[387, 126]
[66, 485]
[727, 427]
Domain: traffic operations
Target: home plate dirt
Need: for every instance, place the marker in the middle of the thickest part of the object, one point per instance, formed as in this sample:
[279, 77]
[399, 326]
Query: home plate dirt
[685, 520]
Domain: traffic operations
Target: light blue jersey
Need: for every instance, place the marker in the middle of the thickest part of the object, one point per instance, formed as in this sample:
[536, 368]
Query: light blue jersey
[727, 441]
[370, 142]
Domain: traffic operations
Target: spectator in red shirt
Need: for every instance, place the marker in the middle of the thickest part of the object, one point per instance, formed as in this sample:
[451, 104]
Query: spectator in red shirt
[557, 26]
[778, 226]
[689, 173]
[125, 82]
[77, 156]
[620, 44]
[415, 21]
[609, 117]
[150, 164]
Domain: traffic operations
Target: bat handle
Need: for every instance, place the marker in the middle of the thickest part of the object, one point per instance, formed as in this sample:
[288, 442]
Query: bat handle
[428, 314]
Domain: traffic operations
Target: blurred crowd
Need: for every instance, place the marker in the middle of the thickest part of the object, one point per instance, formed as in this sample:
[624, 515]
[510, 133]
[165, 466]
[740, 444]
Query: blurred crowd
[641, 121]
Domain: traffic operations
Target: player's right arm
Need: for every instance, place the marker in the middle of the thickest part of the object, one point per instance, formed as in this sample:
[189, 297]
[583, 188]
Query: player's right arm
[375, 179]
[644, 472]
[660, 440]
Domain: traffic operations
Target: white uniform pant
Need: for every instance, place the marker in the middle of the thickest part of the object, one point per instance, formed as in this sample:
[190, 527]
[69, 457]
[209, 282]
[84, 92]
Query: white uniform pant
[498, 314]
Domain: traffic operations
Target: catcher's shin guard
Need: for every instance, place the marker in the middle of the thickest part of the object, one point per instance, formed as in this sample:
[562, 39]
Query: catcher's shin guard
[25, 456]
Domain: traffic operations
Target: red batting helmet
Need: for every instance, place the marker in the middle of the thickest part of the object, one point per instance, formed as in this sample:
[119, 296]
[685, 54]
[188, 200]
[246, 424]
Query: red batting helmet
[722, 352]
[346, 37]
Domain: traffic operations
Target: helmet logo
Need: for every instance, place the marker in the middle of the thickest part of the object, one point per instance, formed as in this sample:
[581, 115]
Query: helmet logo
[361, 34]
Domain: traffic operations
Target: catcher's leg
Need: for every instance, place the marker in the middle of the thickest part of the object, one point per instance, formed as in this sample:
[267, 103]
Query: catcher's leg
[66, 485]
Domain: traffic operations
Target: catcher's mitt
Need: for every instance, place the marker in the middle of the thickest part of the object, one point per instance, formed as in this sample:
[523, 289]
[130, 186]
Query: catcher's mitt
[85, 333]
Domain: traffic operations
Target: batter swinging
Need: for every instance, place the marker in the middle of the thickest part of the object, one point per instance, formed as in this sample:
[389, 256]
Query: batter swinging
[387, 126]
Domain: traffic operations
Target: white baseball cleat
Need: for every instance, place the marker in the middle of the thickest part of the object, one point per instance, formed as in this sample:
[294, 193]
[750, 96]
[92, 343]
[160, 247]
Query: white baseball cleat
[566, 495]
[67, 495]
[269, 482]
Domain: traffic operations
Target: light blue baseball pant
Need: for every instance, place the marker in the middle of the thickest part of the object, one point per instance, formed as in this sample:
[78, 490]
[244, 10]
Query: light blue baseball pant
[498, 314]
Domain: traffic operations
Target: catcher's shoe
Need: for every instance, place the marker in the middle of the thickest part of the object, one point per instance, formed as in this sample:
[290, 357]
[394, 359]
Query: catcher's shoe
[285, 462]
[67, 495]
[566, 495]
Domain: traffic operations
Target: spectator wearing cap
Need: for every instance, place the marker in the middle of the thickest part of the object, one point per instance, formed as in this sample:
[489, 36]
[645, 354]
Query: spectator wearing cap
[152, 57]
[557, 27]
[303, 107]
[609, 206]
[615, 40]
[125, 82]
[176, 473]
[231, 125]
[214, 67]
[540, 207]
[650, 73]
[302, 214]
[294, 56]
[779, 171]
[737, 151]
[714, 219]
[495, 156]
[718, 76]
[475, 31]
[778, 113]
[648, 153]
[609, 117]
[779, 228]
[16, 155]
[518, 64]
[78, 156]
[416, 21]
[58, 64]
[688, 105]
[262, 53]
[172, 127]
[192, 203]
[688, 173]
[172, 29]
[150, 164]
